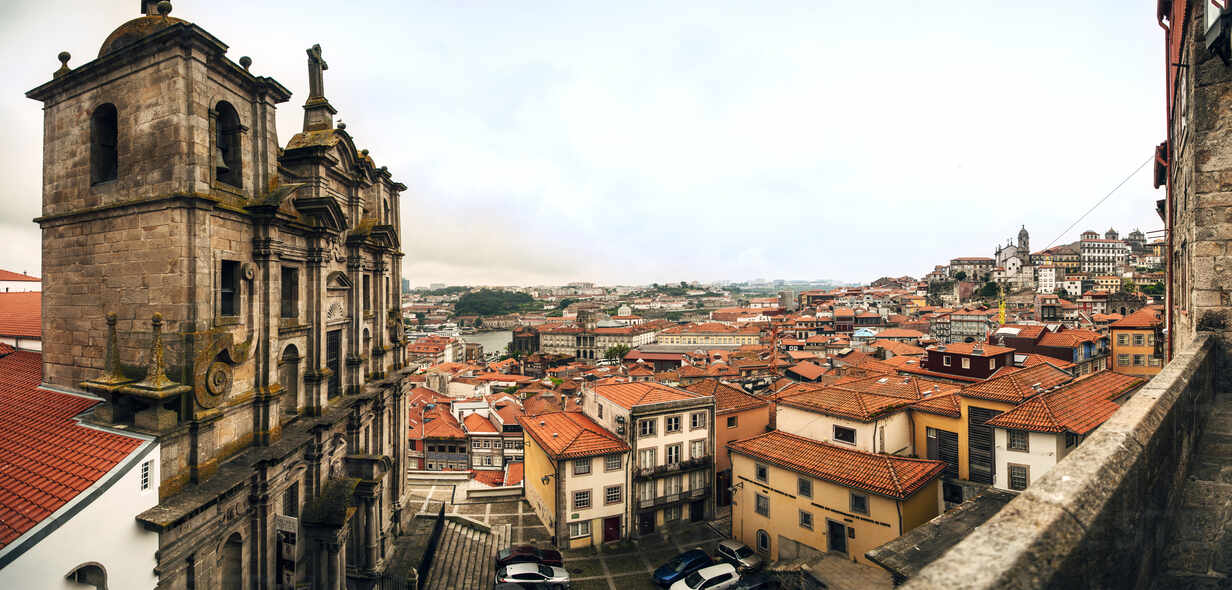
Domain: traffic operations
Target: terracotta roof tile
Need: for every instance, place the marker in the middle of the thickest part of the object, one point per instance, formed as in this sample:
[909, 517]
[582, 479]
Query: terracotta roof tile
[439, 423]
[628, 395]
[568, 435]
[21, 314]
[1147, 317]
[476, 424]
[885, 475]
[46, 457]
[7, 275]
[514, 473]
[943, 405]
[1077, 407]
[1014, 387]
[727, 398]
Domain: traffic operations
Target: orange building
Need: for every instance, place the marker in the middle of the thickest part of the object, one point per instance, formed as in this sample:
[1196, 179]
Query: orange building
[738, 415]
[1134, 339]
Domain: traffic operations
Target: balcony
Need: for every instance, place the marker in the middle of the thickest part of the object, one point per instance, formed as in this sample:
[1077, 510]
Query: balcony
[672, 468]
[669, 499]
[1131, 507]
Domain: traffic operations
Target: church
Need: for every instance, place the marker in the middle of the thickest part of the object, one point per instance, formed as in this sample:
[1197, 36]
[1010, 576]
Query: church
[1013, 262]
[233, 298]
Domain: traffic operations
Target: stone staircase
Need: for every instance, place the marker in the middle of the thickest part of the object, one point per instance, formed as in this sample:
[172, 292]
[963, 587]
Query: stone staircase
[465, 557]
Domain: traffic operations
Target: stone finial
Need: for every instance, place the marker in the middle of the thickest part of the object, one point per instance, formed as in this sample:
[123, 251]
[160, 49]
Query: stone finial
[341, 125]
[245, 62]
[64, 69]
[316, 65]
[156, 369]
[164, 8]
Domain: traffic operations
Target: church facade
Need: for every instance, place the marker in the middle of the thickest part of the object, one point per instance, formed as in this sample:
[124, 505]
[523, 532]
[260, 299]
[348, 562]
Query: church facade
[233, 297]
[1013, 263]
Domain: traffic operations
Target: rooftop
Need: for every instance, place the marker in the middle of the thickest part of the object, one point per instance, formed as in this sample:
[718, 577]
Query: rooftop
[1079, 406]
[628, 395]
[21, 314]
[568, 435]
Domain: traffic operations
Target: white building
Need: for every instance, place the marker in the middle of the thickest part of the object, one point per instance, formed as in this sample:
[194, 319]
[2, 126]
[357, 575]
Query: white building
[1031, 438]
[76, 528]
[14, 282]
[1047, 277]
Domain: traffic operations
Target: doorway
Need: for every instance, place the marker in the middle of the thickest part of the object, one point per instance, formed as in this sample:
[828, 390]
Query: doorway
[697, 510]
[645, 523]
[836, 532]
[611, 529]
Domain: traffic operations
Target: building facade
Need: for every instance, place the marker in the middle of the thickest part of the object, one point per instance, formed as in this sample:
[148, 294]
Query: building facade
[243, 314]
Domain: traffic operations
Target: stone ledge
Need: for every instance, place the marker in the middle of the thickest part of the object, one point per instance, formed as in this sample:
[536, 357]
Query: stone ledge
[1090, 522]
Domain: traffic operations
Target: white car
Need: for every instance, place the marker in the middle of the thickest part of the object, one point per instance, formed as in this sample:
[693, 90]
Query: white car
[531, 573]
[715, 577]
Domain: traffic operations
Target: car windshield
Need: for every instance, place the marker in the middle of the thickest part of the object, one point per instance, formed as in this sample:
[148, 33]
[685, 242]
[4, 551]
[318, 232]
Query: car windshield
[743, 552]
[693, 580]
[678, 564]
[545, 570]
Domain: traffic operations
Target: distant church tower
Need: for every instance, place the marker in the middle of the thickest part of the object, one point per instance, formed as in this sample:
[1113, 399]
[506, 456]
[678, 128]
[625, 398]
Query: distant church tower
[1024, 242]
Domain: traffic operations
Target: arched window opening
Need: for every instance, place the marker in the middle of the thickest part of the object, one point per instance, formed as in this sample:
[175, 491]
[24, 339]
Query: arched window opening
[228, 166]
[288, 375]
[104, 136]
[763, 540]
[233, 563]
[88, 575]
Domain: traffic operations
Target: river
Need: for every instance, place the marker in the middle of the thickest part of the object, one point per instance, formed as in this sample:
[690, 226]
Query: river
[492, 341]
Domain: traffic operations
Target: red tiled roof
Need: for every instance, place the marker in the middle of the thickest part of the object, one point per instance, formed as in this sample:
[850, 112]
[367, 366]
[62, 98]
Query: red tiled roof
[627, 395]
[21, 314]
[488, 477]
[1069, 338]
[900, 333]
[514, 472]
[807, 370]
[1014, 387]
[727, 398]
[885, 475]
[567, 435]
[898, 348]
[1027, 331]
[7, 275]
[476, 424]
[1077, 407]
[46, 458]
[1147, 317]
[1031, 360]
[439, 423]
[836, 401]
[944, 405]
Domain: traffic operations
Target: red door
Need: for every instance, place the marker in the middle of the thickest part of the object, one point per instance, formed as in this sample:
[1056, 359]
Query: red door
[611, 529]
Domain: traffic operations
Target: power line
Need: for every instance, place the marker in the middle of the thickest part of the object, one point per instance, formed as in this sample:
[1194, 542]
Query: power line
[1101, 201]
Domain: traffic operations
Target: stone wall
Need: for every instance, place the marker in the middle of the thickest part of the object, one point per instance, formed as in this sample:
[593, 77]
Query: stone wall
[1097, 519]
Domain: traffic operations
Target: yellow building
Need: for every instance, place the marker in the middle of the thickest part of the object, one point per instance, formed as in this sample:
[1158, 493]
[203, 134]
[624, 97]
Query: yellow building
[709, 334]
[944, 429]
[800, 498]
[575, 478]
[1133, 342]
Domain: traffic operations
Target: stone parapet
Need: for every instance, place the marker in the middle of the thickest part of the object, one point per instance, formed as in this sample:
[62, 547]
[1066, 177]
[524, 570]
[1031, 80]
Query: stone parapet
[1097, 519]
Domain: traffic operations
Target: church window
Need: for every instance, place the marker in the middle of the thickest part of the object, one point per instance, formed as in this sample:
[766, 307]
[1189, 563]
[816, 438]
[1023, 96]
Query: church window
[290, 292]
[104, 154]
[89, 575]
[367, 294]
[228, 165]
[228, 288]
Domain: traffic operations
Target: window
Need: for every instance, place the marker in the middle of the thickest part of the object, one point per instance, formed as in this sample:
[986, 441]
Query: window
[367, 294]
[600, 411]
[580, 528]
[228, 146]
[804, 487]
[89, 574]
[646, 427]
[844, 434]
[966, 363]
[697, 449]
[945, 360]
[145, 475]
[1019, 477]
[581, 466]
[104, 144]
[1139, 340]
[671, 424]
[762, 505]
[487, 460]
[763, 541]
[581, 499]
[1072, 439]
[646, 458]
[806, 520]
[992, 364]
[611, 462]
[671, 513]
[859, 503]
[672, 454]
[229, 288]
[1122, 360]
[1018, 440]
[612, 494]
[1139, 360]
[290, 292]
[731, 421]
[697, 420]
[761, 473]
[474, 444]
[1122, 339]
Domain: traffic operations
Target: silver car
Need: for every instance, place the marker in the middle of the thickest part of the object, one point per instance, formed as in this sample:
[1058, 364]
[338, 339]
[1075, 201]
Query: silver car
[715, 577]
[532, 573]
[738, 554]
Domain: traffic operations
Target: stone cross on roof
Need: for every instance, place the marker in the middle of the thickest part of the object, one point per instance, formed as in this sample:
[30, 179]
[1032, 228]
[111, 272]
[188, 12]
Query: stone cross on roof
[316, 64]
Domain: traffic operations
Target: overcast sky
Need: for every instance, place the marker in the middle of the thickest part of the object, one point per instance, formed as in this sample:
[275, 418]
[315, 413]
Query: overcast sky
[630, 142]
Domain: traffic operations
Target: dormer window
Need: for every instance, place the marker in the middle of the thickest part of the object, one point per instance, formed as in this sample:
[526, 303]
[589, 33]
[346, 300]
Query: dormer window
[228, 164]
[104, 152]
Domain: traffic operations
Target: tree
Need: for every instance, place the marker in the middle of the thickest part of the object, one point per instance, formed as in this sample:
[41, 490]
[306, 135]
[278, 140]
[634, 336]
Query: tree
[419, 318]
[961, 275]
[989, 290]
[1128, 286]
[616, 353]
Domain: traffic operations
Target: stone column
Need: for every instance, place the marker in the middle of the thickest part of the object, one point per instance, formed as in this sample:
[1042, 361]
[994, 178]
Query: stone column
[371, 532]
[335, 568]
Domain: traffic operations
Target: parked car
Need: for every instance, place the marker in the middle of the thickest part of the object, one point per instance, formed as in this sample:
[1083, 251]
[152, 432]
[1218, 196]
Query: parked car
[530, 586]
[716, 577]
[738, 554]
[756, 582]
[681, 566]
[528, 554]
[531, 573]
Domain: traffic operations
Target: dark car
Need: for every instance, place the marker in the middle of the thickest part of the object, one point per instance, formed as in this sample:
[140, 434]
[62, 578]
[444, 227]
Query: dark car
[756, 582]
[681, 566]
[528, 554]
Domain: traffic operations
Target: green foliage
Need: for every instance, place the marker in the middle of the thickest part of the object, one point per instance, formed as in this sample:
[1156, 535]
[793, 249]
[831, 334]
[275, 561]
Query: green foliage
[616, 352]
[674, 316]
[556, 381]
[491, 302]
[1128, 286]
[1153, 289]
[989, 290]
[961, 275]
[448, 291]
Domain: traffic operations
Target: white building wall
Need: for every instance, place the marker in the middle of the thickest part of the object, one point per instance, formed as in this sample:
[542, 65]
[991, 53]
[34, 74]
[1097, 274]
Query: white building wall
[105, 532]
[20, 286]
[1043, 451]
[22, 343]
